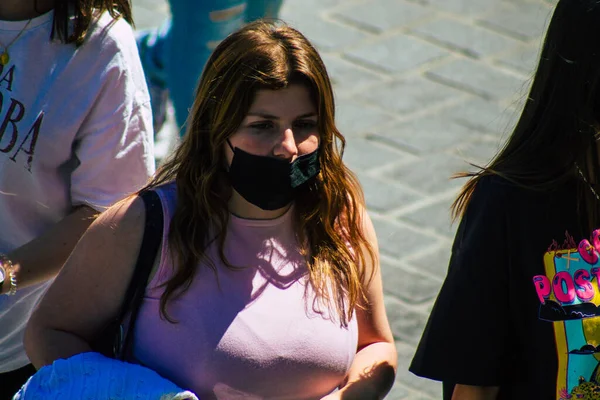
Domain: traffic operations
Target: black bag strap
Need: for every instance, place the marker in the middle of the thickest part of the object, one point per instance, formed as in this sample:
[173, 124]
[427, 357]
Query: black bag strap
[153, 232]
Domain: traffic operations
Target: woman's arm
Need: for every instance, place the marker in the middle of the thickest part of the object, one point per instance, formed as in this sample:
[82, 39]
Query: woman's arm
[88, 291]
[42, 258]
[372, 373]
[465, 392]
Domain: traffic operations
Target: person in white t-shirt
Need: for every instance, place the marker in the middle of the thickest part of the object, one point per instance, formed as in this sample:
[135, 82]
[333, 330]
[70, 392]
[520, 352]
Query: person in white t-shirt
[75, 136]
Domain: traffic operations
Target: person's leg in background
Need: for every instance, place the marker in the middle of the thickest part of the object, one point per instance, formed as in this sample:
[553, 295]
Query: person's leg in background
[195, 31]
[174, 55]
[152, 44]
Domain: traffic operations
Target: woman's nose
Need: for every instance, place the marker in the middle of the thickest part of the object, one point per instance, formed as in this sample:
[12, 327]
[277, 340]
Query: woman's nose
[286, 146]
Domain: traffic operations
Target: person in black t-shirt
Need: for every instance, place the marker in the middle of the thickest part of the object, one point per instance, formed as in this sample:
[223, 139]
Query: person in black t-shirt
[518, 316]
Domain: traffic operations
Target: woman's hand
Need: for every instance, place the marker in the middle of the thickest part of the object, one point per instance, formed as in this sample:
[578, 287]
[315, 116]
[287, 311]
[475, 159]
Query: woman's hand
[365, 388]
[333, 396]
[466, 392]
[41, 259]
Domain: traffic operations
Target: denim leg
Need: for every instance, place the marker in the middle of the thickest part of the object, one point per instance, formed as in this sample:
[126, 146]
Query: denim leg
[197, 27]
[151, 44]
[175, 54]
[263, 9]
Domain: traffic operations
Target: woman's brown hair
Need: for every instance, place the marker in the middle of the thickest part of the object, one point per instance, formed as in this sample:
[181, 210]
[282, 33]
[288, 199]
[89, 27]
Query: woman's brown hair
[557, 131]
[82, 12]
[266, 55]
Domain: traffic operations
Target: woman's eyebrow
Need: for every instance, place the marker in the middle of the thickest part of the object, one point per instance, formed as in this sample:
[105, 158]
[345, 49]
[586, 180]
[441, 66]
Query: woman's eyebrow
[269, 116]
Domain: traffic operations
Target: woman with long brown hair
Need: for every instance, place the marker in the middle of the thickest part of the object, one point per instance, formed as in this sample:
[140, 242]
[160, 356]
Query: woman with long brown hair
[517, 316]
[75, 137]
[268, 282]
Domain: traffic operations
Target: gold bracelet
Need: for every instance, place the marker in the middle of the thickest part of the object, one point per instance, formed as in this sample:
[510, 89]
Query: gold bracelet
[10, 269]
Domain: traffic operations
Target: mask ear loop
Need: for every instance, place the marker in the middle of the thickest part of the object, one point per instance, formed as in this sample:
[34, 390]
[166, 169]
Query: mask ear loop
[230, 146]
[232, 150]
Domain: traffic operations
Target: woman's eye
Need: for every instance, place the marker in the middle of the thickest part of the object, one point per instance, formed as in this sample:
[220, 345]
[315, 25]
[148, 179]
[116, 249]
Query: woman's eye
[306, 124]
[262, 126]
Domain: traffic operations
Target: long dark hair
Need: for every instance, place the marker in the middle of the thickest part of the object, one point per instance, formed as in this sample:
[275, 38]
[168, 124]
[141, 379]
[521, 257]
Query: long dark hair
[266, 55]
[558, 128]
[82, 12]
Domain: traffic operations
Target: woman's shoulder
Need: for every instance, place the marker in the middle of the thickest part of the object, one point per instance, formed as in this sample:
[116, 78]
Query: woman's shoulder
[496, 189]
[125, 214]
[166, 191]
[493, 192]
[106, 27]
[109, 37]
[495, 184]
[110, 54]
[496, 200]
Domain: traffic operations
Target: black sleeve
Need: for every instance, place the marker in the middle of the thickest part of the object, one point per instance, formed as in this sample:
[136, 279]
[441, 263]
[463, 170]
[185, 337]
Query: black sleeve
[467, 339]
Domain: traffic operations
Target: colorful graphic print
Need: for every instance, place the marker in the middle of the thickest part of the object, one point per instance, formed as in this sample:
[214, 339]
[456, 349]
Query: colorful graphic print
[569, 297]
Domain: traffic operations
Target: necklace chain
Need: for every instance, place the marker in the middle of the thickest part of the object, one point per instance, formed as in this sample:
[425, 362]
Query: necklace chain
[586, 181]
[4, 57]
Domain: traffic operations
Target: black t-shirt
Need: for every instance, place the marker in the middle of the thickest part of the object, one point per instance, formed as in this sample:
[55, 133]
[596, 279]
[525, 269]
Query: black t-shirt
[518, 308]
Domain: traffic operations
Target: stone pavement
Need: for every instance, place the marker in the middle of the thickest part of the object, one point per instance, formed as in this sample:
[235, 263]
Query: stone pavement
[422, 87]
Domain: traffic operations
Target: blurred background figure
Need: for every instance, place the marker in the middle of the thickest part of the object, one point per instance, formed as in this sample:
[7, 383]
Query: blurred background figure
[174, 54]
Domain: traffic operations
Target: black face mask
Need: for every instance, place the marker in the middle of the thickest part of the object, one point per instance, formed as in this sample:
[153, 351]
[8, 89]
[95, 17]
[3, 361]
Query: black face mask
[267, 182]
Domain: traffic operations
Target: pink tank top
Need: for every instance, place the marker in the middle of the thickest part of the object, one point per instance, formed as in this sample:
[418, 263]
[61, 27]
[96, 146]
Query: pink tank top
[259, 335]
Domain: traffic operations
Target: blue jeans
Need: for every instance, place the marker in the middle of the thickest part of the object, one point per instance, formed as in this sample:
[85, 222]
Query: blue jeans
[174, 55]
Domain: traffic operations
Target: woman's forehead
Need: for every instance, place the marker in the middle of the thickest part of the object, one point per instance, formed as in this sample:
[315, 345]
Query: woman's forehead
[291, 102]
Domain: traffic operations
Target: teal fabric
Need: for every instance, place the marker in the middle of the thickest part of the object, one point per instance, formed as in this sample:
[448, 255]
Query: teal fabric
[93, 376]
[174, 54]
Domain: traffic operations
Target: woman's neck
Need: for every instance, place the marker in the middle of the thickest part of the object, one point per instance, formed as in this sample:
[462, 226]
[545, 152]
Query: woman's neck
[239, 207]
[19, 10]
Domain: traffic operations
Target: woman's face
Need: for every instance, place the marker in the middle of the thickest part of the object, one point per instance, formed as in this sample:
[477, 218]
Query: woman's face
[280, 123]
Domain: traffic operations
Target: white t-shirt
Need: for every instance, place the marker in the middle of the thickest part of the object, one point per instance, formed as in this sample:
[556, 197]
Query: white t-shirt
[75, 128]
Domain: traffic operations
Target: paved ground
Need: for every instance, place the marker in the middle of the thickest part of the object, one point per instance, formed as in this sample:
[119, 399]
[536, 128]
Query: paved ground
[422, 86]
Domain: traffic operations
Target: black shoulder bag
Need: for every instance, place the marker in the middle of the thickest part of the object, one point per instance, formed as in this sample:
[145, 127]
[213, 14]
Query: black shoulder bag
[111, 341]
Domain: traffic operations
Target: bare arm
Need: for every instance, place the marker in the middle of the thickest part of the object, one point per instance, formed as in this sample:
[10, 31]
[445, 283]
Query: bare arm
[42, 258]
[372, 373]
[88, 291]
[466, 392]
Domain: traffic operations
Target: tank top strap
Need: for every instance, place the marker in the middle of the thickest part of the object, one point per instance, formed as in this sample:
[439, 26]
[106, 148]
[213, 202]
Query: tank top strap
[168, 198]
